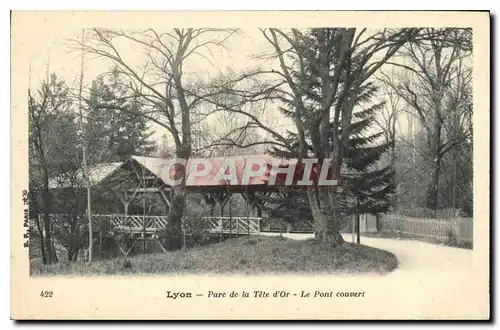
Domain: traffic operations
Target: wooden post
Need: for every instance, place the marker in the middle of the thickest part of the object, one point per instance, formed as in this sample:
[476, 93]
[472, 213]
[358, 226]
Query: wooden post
[221, 213]
[353, 229]
[125, 207]
[238, 225]
[167, 202]
[247, 211]
[143, 183]
[100, 238]
[221, 201]
[85, 170]
[357, 222]
[183, 238]
[230, 216]
[183, 228]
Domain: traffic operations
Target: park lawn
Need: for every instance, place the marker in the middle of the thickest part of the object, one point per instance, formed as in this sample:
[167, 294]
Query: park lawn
[245, 255]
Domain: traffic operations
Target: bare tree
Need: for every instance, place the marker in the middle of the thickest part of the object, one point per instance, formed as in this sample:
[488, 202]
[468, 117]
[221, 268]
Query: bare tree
[434, 83]
[229, 133]
[339, 61]
[68, 228]
[162, 86]
[43, 111]
[387, 122]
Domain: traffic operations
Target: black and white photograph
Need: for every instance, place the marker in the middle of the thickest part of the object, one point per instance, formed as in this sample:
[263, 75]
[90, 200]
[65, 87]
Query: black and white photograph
[338, 151]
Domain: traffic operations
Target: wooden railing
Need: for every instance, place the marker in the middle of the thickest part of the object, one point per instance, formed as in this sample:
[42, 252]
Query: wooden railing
[234, 225]
[156, 223]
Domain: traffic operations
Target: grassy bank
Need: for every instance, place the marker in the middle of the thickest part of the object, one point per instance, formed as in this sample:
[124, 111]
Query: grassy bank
[255, 255]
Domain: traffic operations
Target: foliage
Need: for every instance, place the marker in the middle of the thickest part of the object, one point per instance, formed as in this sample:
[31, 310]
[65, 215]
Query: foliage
[114, 128]
[196, 231]
[49, 152]
[367, 182]
[56, 153]
[290, 208]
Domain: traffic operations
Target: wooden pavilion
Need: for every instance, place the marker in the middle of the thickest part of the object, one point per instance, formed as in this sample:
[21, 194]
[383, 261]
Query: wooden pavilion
[148, 178]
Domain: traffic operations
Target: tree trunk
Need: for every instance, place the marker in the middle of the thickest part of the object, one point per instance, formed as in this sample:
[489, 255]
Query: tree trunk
[230, 216]
[42, 240]
[433, 189]
[455, 157]
[358, 223]
[393, 163]
[174, 218]
[54, 253]
[326, 226]
[125, 208]
[221, 214]
[327, 199]
[70, 254]
[100, 239]
[453, 184]
[46, 216]
[435, 142]
[435, 161]
[318, 222]
[75, 255]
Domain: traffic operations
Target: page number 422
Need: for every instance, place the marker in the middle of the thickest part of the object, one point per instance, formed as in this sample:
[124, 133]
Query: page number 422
[46, 294]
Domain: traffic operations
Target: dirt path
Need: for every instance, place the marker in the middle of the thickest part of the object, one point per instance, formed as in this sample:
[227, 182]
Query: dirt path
[431, 282]
[413, 256]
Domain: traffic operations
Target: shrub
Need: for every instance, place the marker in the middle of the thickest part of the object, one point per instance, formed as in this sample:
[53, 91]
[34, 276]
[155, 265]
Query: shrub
[196, 231]
[127, 264]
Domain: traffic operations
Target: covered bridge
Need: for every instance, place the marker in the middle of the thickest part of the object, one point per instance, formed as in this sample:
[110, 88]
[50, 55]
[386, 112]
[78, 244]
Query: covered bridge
[148, 181]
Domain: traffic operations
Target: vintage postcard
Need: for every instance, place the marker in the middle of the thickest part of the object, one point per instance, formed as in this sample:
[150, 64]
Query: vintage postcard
[250, 165]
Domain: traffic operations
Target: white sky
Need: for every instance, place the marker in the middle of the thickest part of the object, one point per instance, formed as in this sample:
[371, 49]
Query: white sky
[54, 50]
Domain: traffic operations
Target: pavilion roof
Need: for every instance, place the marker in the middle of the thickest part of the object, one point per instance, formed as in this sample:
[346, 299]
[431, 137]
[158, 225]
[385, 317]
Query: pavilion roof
[157, 166]
[97, 174]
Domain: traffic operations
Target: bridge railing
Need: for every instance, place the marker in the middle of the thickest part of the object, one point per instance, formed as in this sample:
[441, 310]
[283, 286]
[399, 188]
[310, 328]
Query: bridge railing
[155, 223]
[235, 225]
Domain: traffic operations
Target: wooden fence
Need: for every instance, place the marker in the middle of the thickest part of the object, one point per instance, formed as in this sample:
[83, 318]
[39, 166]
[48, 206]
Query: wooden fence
[457, 229]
